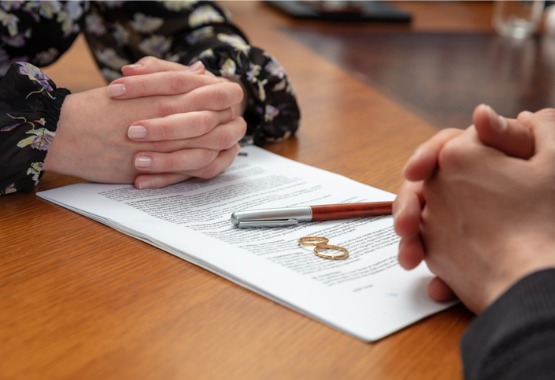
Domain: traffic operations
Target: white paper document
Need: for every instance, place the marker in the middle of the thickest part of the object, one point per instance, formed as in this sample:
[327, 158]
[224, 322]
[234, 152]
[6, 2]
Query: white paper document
[367, 295]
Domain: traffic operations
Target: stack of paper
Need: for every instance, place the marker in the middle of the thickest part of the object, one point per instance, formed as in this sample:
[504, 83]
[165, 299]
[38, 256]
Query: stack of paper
[367, 295]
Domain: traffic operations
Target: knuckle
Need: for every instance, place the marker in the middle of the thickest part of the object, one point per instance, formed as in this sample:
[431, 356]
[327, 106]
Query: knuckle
[166, 107]
[208, 172]
[237, 93]
[173, 163]
[206, 121]
[218, 166]
[242, 123]
[226, 94]
[205, 158]
[166, 131]
[219, 96]
[230, 134]
[148, 61]
[199, 161]
[452, 155]
[178, 81]
[226, 139]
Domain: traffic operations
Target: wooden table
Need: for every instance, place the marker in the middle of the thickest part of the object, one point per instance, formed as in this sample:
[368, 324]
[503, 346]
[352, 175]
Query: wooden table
[79, 300]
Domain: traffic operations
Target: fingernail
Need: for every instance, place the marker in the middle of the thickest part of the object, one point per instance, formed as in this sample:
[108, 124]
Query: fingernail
[496, 121]
[143, 184]
[134, 66]
[115, 90]
[142, 162]
[197, 67]
[136, 132]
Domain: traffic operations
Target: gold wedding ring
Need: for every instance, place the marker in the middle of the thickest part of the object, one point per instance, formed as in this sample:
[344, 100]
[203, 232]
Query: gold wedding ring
[309, 241]
[321, 245]
[329, 247]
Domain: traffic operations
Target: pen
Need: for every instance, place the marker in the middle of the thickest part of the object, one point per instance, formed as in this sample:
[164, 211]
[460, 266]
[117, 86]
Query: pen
[289, 216]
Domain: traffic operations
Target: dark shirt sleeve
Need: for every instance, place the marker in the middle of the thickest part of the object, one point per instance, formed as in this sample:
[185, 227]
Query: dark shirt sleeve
[120, 33]
[30, 105]
[515, 337]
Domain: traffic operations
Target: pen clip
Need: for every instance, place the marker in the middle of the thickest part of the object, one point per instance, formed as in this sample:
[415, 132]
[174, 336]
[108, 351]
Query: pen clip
[272, 217]
[267, 223]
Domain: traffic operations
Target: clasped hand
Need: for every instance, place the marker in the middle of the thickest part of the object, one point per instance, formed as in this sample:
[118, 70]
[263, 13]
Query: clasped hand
[478, 206]
[159, 124]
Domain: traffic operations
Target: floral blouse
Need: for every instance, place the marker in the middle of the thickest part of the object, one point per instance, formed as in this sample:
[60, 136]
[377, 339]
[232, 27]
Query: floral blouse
[36, 33]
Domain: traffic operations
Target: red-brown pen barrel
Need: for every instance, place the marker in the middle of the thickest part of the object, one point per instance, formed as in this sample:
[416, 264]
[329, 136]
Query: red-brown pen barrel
[350, 210]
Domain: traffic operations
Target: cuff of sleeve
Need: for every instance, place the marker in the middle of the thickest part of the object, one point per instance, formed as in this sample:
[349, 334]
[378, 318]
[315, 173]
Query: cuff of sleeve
[529, 304]
[272, 112]
[52, 116]
[34, 104]
[53, 112]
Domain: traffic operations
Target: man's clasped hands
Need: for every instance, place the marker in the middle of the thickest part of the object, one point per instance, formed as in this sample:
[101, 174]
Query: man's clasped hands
[478, 206]
[162, 122]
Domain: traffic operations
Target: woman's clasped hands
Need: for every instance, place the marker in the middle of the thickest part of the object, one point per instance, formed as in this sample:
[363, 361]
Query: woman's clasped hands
[160, 124]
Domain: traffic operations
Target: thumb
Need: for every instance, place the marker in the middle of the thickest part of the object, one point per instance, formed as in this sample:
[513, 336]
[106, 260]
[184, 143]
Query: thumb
[506, 135]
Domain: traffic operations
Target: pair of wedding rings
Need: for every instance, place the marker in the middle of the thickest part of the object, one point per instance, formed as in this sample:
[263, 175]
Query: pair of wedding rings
[323, 249]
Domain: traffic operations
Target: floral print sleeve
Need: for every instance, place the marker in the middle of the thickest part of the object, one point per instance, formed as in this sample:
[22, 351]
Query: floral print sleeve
[120, 33]
[30, 107]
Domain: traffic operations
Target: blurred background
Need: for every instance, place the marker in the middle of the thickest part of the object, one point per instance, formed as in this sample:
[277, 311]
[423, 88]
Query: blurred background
[438, 58]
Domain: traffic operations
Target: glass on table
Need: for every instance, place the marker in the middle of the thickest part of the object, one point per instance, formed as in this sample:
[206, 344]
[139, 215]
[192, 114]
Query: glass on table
[517, 18]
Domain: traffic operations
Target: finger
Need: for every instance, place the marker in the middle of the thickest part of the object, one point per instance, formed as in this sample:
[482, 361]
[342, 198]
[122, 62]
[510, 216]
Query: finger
[407, 208]
[158, 83]
[178, 126]
[148, 65]
[222, 137]
[217, 166]
[411, 252]
[439, 291]
[423, 163]
[211, 97]
[215, 97]
[524, 118]
[157, 181]
[181, 161]
[466, 157]
[506, 135]
[222, 162]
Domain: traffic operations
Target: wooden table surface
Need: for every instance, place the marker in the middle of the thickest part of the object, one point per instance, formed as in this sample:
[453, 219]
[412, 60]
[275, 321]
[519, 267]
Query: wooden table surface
[79, 300]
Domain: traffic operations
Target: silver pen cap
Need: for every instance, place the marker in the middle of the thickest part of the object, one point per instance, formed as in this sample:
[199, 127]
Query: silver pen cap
[271, 217]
